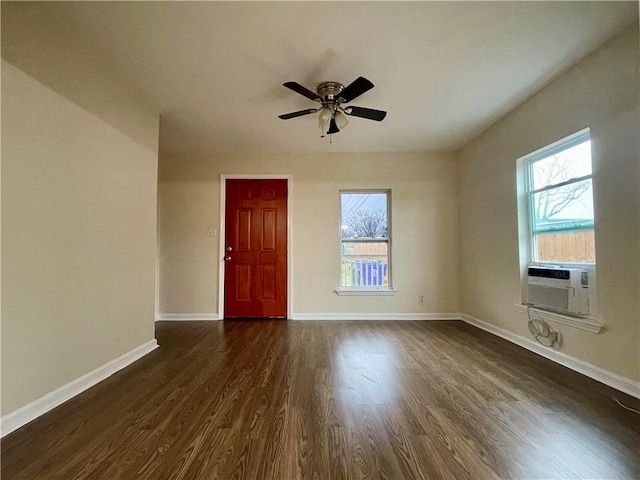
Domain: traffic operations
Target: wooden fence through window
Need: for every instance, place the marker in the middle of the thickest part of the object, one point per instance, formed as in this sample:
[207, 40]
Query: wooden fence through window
[567, 247]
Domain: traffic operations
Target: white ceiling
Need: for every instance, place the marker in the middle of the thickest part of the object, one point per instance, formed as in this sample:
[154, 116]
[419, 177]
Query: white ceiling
[444, 71]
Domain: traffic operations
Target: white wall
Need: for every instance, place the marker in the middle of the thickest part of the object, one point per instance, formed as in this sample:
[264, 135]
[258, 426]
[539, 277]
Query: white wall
[600, 92]
[425, 228]
[78, 239]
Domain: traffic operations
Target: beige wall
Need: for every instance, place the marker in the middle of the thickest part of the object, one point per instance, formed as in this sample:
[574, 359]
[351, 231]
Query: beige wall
[600, 92]
[425, 228]
[78, 238]
[63, 58]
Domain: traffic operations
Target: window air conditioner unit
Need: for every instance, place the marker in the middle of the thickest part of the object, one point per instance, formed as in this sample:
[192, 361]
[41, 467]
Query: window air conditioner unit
[563, 289]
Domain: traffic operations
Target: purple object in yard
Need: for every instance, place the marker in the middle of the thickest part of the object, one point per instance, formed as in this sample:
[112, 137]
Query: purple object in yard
[371, 273]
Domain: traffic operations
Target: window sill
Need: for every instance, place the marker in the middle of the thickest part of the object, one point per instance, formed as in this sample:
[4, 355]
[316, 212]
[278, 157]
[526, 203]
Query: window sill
[366, 291]
[583, 323]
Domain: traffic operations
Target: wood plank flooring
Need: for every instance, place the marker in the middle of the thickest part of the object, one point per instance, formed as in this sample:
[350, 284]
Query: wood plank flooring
[332, 400]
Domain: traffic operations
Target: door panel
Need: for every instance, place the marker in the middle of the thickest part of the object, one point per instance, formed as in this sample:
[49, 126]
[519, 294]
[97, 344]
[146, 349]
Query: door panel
[256, 232]
[243, 284]
[268, 274]
[269, 229]
[243, 230]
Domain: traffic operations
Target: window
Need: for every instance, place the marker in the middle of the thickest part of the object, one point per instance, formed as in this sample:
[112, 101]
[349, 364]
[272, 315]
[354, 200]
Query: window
[365, 235]
[559, 197]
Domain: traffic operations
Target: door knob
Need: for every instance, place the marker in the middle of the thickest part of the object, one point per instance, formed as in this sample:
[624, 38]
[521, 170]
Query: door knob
[227, 258]
[229, 249]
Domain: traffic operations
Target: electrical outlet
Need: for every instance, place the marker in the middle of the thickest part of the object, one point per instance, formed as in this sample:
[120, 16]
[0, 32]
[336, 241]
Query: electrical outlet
[420, 299]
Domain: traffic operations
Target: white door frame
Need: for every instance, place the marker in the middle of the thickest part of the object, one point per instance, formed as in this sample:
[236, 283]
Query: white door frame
[223, 196]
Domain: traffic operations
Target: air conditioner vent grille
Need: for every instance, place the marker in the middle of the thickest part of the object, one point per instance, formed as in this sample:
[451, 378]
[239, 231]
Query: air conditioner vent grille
[549, 296]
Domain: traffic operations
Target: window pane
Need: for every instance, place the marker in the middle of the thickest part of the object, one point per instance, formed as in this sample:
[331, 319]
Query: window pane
[562, 208]
[364, 264]
[574, 162]
[364, 215]
[566, 247]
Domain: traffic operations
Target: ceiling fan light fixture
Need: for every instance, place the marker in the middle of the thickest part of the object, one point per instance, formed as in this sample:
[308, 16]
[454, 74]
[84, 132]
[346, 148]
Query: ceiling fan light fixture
[341, 120]
[324, 119]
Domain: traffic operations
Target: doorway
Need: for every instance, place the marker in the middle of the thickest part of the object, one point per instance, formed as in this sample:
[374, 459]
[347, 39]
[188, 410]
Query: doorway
[255, 248]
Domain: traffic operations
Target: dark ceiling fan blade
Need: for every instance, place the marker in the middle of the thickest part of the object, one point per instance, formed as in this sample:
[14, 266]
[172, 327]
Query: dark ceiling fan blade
[355, 89]
[333, 127]
[299, 113]
[370, 113]
[296, 87]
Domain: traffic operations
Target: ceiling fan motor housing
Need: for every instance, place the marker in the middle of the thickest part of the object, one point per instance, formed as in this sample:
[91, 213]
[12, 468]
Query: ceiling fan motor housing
[329, 91]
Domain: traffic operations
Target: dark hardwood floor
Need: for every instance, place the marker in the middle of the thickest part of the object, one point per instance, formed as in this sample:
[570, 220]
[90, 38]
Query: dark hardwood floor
[332, 400]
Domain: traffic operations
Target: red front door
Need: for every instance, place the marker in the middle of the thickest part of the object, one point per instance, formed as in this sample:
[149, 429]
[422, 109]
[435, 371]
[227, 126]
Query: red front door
[255, 283]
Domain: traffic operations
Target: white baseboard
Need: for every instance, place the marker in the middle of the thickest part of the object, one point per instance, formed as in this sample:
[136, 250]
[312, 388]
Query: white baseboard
[375, 316]
[23, 415]
[186, 317]
[624, 384]
[190, 317]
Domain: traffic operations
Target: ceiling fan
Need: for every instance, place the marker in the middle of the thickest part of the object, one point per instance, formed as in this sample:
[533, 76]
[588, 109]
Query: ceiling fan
[331, 96]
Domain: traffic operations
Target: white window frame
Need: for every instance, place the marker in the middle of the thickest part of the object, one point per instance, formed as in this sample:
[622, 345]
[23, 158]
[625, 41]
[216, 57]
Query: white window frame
[526, 235]
[528, 162]
[366, 290]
